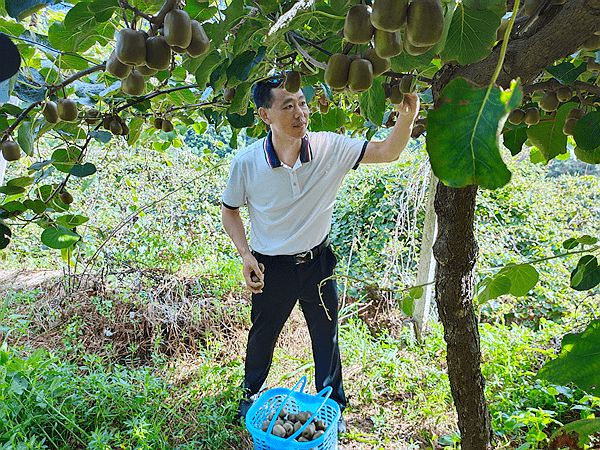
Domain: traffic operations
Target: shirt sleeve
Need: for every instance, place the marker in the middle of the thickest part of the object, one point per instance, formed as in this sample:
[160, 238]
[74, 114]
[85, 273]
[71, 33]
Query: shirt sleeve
[348, 151]
[234, 194]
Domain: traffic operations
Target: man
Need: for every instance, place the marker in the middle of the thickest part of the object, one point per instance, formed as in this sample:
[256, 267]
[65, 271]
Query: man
[289, 181]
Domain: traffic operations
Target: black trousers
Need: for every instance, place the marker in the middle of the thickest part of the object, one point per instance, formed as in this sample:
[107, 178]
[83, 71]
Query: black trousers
[285, 284]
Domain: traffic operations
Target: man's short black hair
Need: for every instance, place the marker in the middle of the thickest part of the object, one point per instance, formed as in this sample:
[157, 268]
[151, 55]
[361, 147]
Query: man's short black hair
[262, 90]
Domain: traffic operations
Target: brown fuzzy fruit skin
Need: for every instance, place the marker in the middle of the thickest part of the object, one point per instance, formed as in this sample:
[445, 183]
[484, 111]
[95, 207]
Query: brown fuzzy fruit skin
[167, 125]
[576, 113]
[66, 197]
[145, 70]
[336, 73]
[357, 25]
[228, 94]
[549, 102]
[293, 80]
[134, 84]
[516, 116]
[115, 127]
[92, 116]
[387, 45]
[178, 28]
[179, 50]
[67, 110]
[309, 431]
[200, 42]
[360, 77]
[396, 97]
[278, 430]
[389, 15]
[564, 93]
[569, 126]
[157, 123]
[158, 53]
[532, 116]
[116, 67]
[50, 112]
[10, 150]
[408, 84]
[424, 22]
[318, 434]
[130, 47]
[380, 65]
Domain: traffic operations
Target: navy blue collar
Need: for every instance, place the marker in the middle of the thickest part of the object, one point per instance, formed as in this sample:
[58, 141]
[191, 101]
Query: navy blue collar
[271, 155]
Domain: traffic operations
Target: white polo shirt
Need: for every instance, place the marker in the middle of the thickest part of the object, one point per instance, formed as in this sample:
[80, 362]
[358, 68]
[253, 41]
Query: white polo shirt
[290, 208]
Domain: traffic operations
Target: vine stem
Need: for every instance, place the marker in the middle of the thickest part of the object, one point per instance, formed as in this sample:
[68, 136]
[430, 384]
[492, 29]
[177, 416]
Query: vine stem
[155, 94]
[503, 48]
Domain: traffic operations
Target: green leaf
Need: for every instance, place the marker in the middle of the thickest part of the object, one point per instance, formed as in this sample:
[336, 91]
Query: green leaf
[80, 17]
[71, 220]
[241, 99]
[548, 135]
[37, 206]
[570, 243]
[566, 72]
[238, 121]
[514, 139]
[5, 235]
[586, 239]
[11, 190]
[20, 181]
[582, 428]
[25, 138]
[64, 159]
[472, 34]
[10, 27]
[13, 206]
[578, 362]
[83, 170]
[19, 9]
[372, 103]
[587, 131]
[242, 64]
[523, 278]
[103, 9]
[59, 237]
[408, 306]
[416, 292]
[468, 152]
[103, 136]
[494, 287]
[587, 273]
[330, 121]
[135, 130]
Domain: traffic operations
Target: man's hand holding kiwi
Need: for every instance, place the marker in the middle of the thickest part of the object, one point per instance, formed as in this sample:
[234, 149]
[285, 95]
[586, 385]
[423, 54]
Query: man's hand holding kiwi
[254, 274]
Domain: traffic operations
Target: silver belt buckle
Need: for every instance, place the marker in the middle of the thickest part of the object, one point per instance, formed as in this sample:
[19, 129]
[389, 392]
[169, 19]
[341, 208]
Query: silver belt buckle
[303, 255]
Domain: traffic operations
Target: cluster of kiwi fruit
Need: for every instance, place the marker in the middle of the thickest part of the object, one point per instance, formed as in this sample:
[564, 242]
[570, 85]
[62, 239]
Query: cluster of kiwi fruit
[63, 109]
[288, 423]
[137, 54]
[549, 102]
[164, 124]
[115, 124]
[395, 90]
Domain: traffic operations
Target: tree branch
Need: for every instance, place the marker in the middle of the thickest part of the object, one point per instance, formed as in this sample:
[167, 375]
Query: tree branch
[553, 84]
[155, 94]
[305, 54]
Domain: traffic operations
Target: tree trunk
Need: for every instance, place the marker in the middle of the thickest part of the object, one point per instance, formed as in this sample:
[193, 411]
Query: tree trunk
[455, 251]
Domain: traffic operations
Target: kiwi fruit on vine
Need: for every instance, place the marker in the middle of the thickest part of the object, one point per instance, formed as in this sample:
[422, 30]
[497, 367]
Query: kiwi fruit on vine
[115, 126]
[516, 116]
[592, 43]
[336, 73]
[157, 123]
[380, 65]
[549, 102]
[531, 6]
[292, 81]
[569, 126]
[116, 67]
[200, 42]
[387, 45]
[408, 84]
[145, 70]
[167, 125]
[588, 156]
[178, 28]
[575, 113]
[532, 116]
[179, 50]
[134, 84]
[158, 53]
[228, 94]
[424, 22]
[564, 93]
[11, 151]
[50, 112]
[67, 110]
[396, 97]
[357, 25]
[130, 47]
[592, 65]
[389, 15]
[92, 116]
[413, 50]
[66, 197]
[360, 76]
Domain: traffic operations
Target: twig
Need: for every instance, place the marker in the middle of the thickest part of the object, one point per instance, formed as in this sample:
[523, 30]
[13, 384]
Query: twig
[305, 54]
[155, 94]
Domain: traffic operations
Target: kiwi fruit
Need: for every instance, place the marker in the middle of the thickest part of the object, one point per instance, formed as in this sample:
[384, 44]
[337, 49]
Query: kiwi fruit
[130, 47]
[569, 126]
[178, 28]
[408, 83]
[308, 431]
[575, 113]
[389, 15]
[516, 116]
[282, 413]
[265, 425]
[532, 116]
[228, 94]
[302, 439]
[200, 42]
[66, 197]
[297, 425]
[145, 70]
[289, 428]
[116, 67]
[549, 102]
[424, 22]
[278, 430]
[180, 50]
[387, 45]
[158, 53]
[380, 65]
[588, 156]
[167, 125]
[396, 97]
[115, 127]
[292, 81]
[10, 150]
[531, 6]
[134, 84]
[255, 278]
[320, 425]
[336, 73]
[592, 44]
[92, 116]
[564, 93]
[67, 110]
[417, 130]
[413, 50]
[592, 65]
[318, 434]
[360, 77]
[158, 123]
[357, 26]
[50, 112]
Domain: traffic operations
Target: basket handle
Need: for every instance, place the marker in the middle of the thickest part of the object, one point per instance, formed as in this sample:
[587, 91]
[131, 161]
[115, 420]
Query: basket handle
[325, 393]
[301, 383]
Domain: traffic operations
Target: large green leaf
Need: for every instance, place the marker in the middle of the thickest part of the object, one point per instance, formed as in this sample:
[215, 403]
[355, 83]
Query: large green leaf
[472, 34]
[587, 273]
[582, 428]
[19, 9]
[587, 131]
[578, 362]
[59, 237]
[523, 278]
[494, 287]
[25, 137]
[514, 138]
[71, 220]
[103, 9]
[242, 65]
[80, 17]
[83, 170]
[548, 135]
[372, 103]
[463, 134]
[332, 120]
[241, 100]
[567, 72]
[135, 130]
[65, 158]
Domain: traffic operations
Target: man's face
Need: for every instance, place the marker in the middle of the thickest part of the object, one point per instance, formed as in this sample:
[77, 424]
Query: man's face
[288, 114]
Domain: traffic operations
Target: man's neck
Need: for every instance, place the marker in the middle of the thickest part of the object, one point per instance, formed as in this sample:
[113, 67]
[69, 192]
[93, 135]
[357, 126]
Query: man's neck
[287, 148]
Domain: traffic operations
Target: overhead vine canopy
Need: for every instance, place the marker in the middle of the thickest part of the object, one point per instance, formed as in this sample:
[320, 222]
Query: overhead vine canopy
[95, 71]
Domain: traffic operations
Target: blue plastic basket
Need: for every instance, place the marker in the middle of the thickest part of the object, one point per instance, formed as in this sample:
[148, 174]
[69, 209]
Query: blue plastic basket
[294, 401]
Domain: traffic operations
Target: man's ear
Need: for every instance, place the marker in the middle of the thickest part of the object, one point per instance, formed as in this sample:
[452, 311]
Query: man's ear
[264, 115]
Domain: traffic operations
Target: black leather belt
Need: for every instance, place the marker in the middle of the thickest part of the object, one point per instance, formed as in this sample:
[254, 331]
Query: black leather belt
[298, 258]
